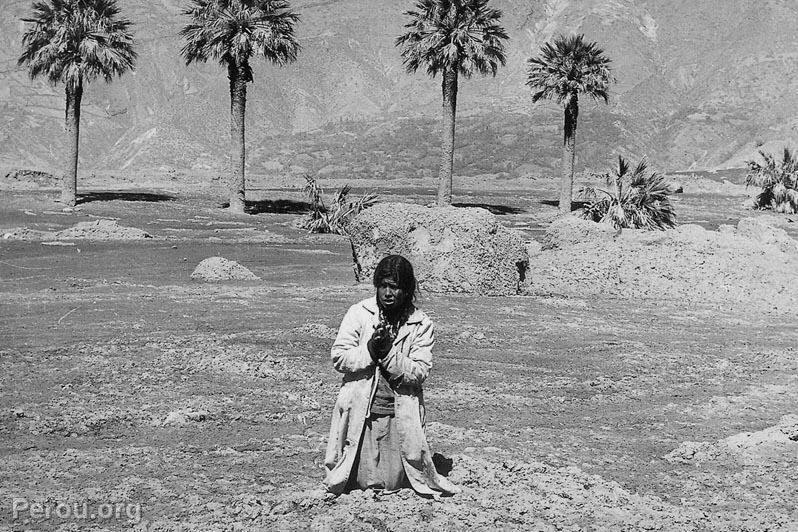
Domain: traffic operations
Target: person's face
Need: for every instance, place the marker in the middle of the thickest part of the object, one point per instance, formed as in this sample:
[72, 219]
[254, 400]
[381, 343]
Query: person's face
[389, 294]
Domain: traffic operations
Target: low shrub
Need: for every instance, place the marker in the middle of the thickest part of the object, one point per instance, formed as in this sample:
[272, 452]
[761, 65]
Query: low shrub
[634, 199]
[335, 218]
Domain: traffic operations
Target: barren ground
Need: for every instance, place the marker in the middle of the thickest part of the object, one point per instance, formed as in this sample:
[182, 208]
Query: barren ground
[208, 404]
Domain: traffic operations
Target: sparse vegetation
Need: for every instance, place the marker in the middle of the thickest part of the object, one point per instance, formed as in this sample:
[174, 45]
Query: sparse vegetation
[636, 199]
[565, 68]
[453, 38]
[778, 181]
[335, 218]
[231, 32]
[73, 42]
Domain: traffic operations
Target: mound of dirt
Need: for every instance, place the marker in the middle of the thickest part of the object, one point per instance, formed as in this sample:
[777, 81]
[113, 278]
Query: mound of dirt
[764, 231]
[452, 249]
[570, 230]
[214, 269]
[102, 229]
[752, 264]
[184, 416]
[783, 434]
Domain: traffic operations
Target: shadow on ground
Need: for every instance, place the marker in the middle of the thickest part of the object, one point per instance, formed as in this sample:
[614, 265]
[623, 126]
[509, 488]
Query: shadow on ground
[123, 196]
[280, 206]
[443, 464]
[575, 205]
[495, 209]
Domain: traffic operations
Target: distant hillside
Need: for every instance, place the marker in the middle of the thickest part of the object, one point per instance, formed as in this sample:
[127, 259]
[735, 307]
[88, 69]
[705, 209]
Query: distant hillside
[701, 84]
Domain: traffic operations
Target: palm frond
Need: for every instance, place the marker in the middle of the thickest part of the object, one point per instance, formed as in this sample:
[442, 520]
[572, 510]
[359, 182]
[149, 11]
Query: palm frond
[321, 219]
[76, 41]
[778, 181]
[639, 199]
[314, 193]
[461, 35]
[568, 66]
[232, 31]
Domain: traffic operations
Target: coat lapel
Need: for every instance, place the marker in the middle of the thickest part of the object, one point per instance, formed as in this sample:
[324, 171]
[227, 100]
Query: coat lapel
[415, 318]
[370, 304]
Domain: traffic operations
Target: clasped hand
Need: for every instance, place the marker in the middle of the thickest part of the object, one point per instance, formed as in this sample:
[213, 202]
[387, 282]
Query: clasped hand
[381, 340]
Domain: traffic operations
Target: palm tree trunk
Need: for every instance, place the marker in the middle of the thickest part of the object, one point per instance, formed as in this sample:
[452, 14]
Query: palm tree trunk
[238, 107]
[449, 89]
[569, 154]
[69, 185]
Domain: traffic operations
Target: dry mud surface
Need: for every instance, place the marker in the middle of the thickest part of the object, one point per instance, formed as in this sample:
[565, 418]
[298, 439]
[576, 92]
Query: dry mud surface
[208, 404]
[751, 265]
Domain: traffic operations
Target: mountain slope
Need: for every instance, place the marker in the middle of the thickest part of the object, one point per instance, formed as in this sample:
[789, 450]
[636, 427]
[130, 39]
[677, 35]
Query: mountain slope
[700, 85]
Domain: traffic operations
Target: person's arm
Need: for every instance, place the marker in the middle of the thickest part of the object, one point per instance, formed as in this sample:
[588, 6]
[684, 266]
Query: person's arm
[412, 370]
[347, 354]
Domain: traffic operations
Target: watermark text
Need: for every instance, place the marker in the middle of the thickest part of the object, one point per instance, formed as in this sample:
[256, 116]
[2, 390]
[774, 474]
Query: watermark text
[23, 509]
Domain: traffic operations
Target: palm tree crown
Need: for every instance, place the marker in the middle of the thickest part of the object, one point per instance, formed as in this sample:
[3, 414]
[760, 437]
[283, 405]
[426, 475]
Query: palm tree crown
[778, 181]
[461, 35]
[232, 31]
[569, 66]
[75, 41]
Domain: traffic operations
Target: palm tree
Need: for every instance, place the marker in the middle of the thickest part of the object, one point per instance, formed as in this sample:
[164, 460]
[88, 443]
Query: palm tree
[453, 37]
[231, 32]
[73, 42]
[565, 68]
[636, 199]
[778, 181]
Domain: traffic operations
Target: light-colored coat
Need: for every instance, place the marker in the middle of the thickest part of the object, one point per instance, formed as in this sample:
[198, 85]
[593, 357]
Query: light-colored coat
[408, 363]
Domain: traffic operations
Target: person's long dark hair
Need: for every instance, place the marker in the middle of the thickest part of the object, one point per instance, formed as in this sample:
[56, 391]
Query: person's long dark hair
[399, 269]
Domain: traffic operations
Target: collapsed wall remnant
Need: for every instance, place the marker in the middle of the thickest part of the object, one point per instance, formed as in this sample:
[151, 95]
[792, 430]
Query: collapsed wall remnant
[215, 269]
[452, 249]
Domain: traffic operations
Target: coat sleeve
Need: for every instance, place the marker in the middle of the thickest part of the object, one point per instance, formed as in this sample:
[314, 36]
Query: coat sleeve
[413, 369]
[348, 355]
